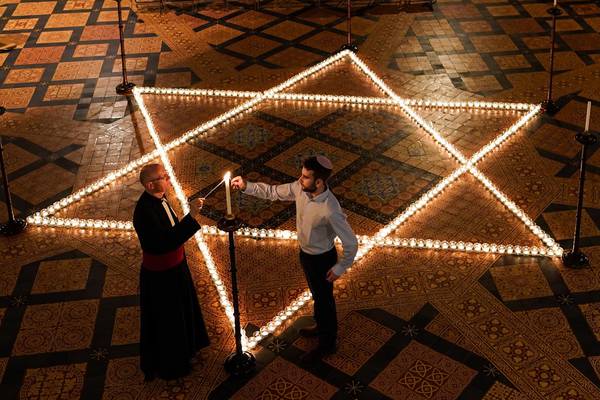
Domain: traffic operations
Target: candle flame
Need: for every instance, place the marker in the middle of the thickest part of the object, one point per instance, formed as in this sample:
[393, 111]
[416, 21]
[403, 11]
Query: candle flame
[227, 177]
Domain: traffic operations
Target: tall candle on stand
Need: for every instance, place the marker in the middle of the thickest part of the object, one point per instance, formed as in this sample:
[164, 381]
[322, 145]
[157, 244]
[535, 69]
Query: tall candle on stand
[587, 116]
[227, 178]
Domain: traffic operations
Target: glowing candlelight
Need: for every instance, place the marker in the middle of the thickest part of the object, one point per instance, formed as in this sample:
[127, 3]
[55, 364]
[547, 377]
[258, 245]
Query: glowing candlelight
[587, 116]
[227, 178]
[554, 3]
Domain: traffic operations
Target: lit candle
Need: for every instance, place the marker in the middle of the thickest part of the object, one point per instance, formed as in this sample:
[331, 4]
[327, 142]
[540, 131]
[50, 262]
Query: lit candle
[226, 178]
[554, 3]
[587, 116]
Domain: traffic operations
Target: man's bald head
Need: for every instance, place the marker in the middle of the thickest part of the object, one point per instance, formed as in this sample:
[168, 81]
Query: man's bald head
[150, 172]
[155, 179]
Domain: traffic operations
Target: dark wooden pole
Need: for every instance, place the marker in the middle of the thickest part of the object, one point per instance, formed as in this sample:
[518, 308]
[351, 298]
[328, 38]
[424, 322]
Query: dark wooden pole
[549, 105]
[575, 258]
[13, 225]
[124, 87]
[239, 363]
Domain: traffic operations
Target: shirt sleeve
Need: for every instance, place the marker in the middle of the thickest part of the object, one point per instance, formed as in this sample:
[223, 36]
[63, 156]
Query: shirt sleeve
[342, 229]
[285, 192]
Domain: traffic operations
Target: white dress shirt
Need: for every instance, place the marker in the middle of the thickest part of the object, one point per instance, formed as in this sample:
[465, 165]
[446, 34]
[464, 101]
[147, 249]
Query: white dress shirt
[319, 220]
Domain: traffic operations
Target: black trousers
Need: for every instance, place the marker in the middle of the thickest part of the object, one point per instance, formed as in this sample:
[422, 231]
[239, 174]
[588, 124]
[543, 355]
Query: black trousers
[315, 269]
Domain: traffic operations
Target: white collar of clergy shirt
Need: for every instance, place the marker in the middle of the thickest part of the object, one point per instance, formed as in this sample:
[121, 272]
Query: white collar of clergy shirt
[168, 211]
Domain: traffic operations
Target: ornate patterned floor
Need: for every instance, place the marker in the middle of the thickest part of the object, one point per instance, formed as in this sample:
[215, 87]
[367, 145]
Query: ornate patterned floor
[415, 324]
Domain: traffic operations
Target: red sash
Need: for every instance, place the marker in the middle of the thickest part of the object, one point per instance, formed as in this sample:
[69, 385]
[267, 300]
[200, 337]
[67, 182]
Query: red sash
[161, 262]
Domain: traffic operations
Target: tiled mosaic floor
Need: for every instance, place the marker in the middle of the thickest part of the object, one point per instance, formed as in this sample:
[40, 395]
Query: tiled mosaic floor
[414, 324]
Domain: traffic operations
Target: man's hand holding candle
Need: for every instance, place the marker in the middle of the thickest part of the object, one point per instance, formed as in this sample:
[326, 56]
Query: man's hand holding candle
[196, 207]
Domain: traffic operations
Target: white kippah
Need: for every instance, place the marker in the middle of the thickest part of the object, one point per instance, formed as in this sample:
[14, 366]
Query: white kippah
[325, 162]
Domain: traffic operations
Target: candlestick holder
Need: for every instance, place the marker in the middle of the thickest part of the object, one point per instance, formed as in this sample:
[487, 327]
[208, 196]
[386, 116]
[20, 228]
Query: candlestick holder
[240, 362]
[349, 45]
[124, 87]
[549, 106]
[575, 258]
[13, 225]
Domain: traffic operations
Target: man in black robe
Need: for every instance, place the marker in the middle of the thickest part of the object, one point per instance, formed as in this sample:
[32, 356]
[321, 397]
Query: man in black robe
[172, 327]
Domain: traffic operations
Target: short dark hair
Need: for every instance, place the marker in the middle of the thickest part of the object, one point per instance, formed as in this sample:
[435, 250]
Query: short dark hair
[319, 171]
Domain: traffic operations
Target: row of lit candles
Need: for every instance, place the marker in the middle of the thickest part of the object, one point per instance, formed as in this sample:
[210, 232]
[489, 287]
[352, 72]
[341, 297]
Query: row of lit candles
[491, 105]
[389, 241]
[103, 224]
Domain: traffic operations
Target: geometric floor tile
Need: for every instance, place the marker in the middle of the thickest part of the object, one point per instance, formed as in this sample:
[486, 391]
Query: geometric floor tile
[419, 372]
[554, 330]
[62, 275]
[60, 382]
[502, 392]
[125, 319]
[523, 281]
[54, 327]
[592, 315]
[283, 380]
[120, 371]
[360, 338]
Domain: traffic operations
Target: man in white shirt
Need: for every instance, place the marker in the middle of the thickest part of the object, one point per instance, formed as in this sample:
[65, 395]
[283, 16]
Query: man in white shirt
[319, 219]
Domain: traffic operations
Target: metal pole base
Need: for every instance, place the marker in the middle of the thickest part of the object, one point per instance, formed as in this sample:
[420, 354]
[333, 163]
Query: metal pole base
[240, 364]
[125, 88]
[554, 11]
[13, 227]
[575, 260]
[550, 107]
[352, 47]
[586, 139]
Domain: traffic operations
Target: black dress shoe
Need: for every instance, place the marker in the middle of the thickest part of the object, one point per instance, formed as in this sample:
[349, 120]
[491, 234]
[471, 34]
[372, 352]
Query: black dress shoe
[309, 331]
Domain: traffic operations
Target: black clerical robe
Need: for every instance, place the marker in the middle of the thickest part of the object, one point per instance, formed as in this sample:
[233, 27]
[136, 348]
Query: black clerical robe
[172, 327]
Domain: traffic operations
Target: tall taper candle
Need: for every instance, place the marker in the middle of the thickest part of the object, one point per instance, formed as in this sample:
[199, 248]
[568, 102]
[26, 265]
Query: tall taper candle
[227, 178]
[587, 116]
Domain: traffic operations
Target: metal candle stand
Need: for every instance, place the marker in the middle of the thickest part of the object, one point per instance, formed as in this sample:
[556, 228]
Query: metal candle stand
[14, 225]
[575, 258]
[349, 45]
[240, 362]
[124, 87]
[549, 105]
